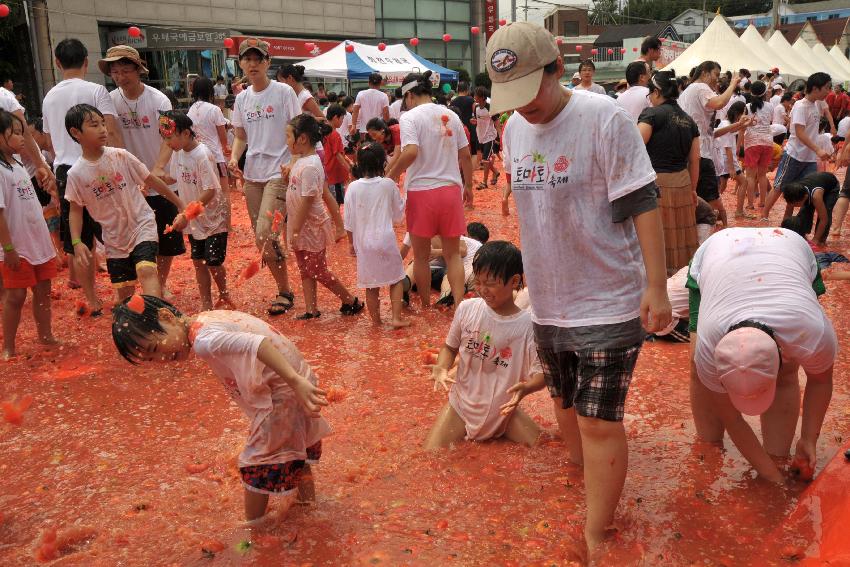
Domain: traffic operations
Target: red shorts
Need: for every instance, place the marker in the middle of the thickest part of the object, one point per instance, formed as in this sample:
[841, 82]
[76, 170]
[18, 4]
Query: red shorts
[758, 156]
[312, 265]
[435, 212]
[27, 275]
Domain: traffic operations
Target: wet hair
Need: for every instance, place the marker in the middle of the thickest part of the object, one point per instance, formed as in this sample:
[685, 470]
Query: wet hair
[379, 124]
[77, 115]
[375, 79]
[651, 42]
[757, 100]
[371, 160]
[463, 87]
[332, 98]
[296, 72]
[635, 70]
[202, 89]
[499, 258]
[666, 84]
[736, 109]
[7, 122]
[130, 327]
[182, 122]
[794, 192]
[307, 124]
[347, 101]
[422, 80]
[478, 231]
[795, 224]
[586, 63]
[333, 111]
[323, 101]
[482, 92]
[817, 81]
[703, 68]
[71, 53]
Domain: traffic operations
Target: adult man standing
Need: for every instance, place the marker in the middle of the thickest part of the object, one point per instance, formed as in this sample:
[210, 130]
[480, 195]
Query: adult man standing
[747, 345]
[650, 51]
[634, 99]
[369, 104]
[72, 60]
[588, 299]
[465, 103]
[138, 106]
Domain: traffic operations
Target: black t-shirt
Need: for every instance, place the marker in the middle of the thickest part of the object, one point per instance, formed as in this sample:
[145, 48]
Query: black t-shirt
[464, 104]
[673, 132]
[822, 179]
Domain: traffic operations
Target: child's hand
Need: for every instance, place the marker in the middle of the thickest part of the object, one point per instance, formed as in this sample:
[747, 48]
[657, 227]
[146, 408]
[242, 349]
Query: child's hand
[284, 172]
[12, 260]
[233, 166]
[655, 309]
[440, 376]
[518, 391]
[179, 223]
[82, 255]
[310, 396]
[805, 458]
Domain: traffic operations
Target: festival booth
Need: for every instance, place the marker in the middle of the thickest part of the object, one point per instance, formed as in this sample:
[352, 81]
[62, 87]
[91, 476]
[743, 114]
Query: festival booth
[719, 43]
[838, 73]
[753, 40]
[781, 47]
[353, 61]
[839, 57]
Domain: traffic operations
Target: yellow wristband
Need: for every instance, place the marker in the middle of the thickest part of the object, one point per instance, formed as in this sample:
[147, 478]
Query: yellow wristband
[75, 241]
[8, 247]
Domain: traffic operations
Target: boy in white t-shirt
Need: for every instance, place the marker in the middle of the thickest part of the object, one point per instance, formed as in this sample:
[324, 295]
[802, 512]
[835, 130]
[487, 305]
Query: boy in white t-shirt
[747, 345]
[106, 182]
[593, 250]
[193, 170]
[369, 104]
[495, 342]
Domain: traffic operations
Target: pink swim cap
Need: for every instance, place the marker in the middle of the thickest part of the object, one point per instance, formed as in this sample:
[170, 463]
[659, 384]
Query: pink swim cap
[747, 360]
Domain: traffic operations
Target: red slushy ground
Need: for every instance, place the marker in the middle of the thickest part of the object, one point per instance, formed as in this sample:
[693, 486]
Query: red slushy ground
[102, 454]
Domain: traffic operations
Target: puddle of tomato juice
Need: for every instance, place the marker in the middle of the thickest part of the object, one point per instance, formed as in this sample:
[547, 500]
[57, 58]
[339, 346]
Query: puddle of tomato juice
[136, 465]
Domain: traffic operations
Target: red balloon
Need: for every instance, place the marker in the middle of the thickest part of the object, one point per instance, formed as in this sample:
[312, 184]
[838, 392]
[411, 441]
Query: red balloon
[447, 37]
[559, 41]
[349, 48]
[610, 52]
[663, 40]
[228, 42]
[622, 50]
[382, 46]
[503, 22]
[4, 10]
[634, 49]
[414, 41]
[475, 30]
[578, 47]
[133, 31]
[594, 51]
[309, 46]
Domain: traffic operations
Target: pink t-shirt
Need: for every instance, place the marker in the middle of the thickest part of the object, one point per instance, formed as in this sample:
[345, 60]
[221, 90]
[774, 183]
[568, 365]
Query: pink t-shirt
[307, 181]
[494, 353]
[280, 430]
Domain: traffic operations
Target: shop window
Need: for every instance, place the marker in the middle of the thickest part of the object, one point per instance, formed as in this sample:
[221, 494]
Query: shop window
[457, 50]
[430, 30]
[399, 30]
[459, 31]
[570, 29]
[457, 12]
[688, 21]
[432, 49]
[429, 10]
[401, 9]
[379, 12]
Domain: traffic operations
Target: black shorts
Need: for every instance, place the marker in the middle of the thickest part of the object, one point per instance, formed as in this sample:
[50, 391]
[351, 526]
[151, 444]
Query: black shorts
[170, 244]
[43, 196]
[594, 381]
[211, 249]
[707, 186]
[338, 191]
[473, 139]
[123, 270]
[486, 150]
[91, 229]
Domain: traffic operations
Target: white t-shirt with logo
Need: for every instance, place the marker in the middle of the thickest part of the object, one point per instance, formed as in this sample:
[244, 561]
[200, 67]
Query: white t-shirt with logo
[805, 113]
[494, 353]
[372, 103]
[280, 430]
[55, 106]
[582, 268]
[110, 189]
[439, 135]
[694, 101]
[206, 118]
[265, 115]
[24, 216]
[484, 127]
[195, 172]
[763, 274]
[634, 100]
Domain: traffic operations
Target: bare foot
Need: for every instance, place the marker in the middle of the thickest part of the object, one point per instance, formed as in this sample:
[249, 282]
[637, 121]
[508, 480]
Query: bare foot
[400, 323]
[8, 354]
[206, 306]
[505, 209]
[224, 302]
[306, 488]
[49, 341]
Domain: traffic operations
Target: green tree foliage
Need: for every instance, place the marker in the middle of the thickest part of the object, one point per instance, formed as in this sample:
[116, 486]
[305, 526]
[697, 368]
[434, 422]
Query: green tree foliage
[666, 10]
[462, 74]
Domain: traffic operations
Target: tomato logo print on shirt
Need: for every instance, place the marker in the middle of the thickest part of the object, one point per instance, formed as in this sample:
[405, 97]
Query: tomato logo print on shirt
[534, 172]
[561, 164]
[259, 113]
[146, 120]
[269, 109]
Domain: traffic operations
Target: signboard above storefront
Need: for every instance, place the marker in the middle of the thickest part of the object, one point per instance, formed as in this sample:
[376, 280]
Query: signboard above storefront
[155, 37]
[288, 48]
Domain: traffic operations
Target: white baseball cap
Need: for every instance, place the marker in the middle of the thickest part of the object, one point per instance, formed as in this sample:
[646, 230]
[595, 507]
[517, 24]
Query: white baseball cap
[516, 55]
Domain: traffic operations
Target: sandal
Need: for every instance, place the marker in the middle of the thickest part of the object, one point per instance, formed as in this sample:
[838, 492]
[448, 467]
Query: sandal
[495, 178]
[481, 185]
[352, 308]
[308, 316]
[282, 303]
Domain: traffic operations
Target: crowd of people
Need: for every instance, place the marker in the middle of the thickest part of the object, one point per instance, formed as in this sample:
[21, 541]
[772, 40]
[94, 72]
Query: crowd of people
[619, 206]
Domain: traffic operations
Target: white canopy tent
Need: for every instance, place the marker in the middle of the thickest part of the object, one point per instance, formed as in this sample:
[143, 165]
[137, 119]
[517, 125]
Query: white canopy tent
[753, 40]
[780, 45]
[839, 57]
[836, 71]
[719, 43]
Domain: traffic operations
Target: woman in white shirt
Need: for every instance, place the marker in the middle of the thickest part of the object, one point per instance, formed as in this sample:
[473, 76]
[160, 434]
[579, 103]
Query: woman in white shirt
[433, 142]
[586, 70]
[293, 75]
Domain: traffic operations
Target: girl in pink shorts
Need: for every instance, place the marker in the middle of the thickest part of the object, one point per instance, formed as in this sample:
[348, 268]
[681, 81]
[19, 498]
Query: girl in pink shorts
[434, 150]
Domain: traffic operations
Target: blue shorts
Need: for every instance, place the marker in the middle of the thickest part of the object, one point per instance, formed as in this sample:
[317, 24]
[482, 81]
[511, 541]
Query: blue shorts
[790, 170]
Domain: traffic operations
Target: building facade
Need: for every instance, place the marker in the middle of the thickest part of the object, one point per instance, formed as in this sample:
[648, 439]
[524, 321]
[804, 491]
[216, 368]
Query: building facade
[797, 14]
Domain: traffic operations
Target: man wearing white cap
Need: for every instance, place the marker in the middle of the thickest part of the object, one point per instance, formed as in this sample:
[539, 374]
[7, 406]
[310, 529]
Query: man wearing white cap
[574, 81]
[593, 249]
[755, 319]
